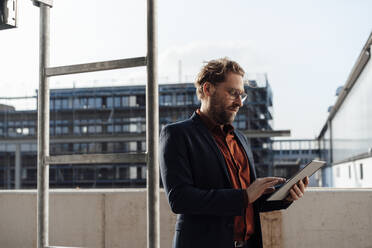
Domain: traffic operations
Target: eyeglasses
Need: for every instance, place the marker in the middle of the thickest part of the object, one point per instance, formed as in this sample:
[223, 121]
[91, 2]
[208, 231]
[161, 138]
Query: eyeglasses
[235, 94]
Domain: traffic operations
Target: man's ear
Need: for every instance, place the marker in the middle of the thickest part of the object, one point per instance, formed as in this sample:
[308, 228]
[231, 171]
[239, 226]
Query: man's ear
[208, 89]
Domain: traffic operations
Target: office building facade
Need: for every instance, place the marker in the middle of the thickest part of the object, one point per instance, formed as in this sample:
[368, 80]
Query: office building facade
[110, 120]
[346, 138]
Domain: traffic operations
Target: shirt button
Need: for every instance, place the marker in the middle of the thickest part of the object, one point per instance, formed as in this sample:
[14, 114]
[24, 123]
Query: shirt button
[230, 225]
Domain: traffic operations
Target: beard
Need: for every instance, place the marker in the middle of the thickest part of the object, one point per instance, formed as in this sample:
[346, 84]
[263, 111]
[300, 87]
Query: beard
[221, 113]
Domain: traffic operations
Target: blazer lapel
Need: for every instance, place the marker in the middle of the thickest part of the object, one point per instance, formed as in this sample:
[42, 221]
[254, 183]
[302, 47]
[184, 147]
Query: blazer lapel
[248, 152]
[203, 130]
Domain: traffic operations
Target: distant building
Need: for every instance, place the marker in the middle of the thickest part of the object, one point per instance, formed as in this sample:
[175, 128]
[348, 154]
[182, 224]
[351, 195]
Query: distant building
[111, 120]
[346, 138]
[291, 155]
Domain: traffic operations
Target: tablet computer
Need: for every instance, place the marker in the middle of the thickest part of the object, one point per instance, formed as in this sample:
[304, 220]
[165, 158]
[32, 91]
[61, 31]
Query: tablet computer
[308, 170]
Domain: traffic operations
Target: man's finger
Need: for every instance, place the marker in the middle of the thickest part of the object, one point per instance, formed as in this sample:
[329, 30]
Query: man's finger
[297, 190]
[269, 179]
[293, 195]
[306, 181]
[271, 184]
[301, 186]
[269, 190]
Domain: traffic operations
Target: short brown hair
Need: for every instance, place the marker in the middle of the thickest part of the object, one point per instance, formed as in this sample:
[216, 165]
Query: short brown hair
[215, 71]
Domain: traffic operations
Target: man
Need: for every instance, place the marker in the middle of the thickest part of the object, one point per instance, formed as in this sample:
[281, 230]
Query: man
[208, 171]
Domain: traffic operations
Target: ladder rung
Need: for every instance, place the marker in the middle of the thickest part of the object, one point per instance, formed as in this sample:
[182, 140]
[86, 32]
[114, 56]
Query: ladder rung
[97, 158]
[95, 66]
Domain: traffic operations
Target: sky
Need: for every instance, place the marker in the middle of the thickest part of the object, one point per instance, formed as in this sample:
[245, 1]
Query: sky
[307, 48]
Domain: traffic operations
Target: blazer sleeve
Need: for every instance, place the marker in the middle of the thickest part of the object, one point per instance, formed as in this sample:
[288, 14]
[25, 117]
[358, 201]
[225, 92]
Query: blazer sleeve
[261, 203]
[267, 206]
[177, 176]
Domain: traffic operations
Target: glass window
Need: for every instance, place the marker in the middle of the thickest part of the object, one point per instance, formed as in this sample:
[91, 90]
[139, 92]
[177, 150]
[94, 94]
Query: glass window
[110, 147]
[133, 172]
[84, 147]
[189, 98]
[76, 103]
[64, 104]
[167, 100]
[117, 101]
[132, 101]
[125, 101]
[84, 129]
[144, 172]
[180, 100]
[117, 128]
[58, 130]
[133, 128]
[141, 100]
[10, 148]
[84, 102]
[109, 102]
[58, 103]
[124, 173]
[91, 102]
[76, 130]
[132, 146]
[91, 129]
[99, 102]
[76, 147]
[361, 171]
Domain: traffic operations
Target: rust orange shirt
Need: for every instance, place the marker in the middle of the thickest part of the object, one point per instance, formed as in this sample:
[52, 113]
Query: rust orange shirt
[238, 168]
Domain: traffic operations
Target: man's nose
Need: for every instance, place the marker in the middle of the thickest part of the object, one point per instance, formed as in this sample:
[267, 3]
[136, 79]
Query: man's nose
[239, 101]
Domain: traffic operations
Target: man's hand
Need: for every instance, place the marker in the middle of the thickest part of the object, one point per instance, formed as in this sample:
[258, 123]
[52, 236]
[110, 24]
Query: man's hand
[298, 190]
[262, 186]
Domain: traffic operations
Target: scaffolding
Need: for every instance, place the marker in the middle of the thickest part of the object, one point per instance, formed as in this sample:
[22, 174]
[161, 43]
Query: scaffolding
[152, 116]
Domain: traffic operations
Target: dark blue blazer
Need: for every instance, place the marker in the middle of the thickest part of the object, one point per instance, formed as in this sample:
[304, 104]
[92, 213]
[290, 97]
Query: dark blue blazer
[198, 187]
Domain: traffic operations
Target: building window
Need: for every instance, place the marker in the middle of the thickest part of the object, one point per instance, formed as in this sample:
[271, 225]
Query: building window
[91, 102]
[165, 100]
[361, 171]
[349, 172]
[143, 173]
[64, 104]
[110, 102]
[125, 101]
[132, 146]
[180, 99]
[189, 98]
[117, 101]
[132, 101]
[337, 171]
[133, 172]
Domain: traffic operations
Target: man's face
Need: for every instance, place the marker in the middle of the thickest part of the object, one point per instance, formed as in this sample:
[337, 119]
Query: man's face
[225, 101]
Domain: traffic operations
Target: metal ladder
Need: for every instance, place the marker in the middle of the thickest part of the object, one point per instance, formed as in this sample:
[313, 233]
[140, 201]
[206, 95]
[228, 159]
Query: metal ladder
[152, 124]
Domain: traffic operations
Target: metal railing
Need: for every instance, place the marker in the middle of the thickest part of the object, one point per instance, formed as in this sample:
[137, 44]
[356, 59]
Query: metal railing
[152, 126]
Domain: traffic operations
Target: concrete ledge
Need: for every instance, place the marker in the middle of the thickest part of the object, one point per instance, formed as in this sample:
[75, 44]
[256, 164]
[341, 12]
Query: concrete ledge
[113, 218]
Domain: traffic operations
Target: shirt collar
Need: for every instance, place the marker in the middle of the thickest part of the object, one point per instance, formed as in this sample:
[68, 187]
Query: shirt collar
[213, 126]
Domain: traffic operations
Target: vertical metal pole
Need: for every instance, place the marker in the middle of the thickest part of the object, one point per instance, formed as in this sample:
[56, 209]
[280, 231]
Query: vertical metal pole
[17, 172]
[152, 127]
[43, 133]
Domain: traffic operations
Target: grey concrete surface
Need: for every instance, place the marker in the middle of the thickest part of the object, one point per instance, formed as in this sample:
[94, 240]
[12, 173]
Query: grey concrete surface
[113, 218]
[329, 218]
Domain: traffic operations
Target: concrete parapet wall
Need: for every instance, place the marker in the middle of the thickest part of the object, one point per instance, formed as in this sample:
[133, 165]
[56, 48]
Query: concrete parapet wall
[113, 218]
